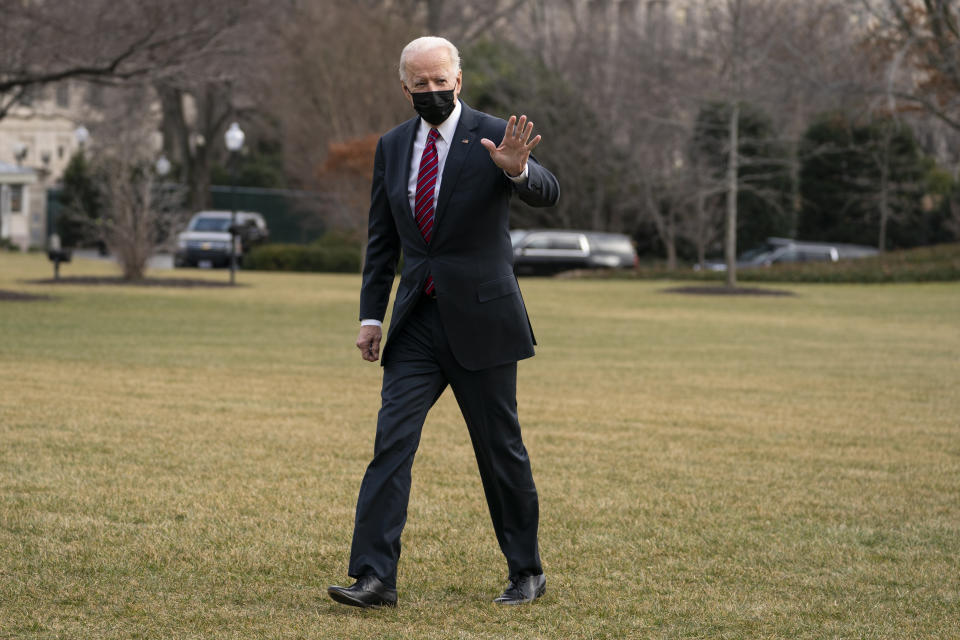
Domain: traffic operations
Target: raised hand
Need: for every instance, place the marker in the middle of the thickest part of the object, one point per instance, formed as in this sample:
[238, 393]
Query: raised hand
[512, 153]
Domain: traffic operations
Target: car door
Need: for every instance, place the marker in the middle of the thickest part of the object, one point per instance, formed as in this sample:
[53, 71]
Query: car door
[551, 252]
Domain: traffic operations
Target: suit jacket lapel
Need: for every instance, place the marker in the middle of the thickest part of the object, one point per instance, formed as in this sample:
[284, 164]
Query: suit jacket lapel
[463, 141]
[400, 174]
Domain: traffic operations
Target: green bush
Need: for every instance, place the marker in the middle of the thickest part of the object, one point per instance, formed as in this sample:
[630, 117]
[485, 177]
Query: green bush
[296, 257]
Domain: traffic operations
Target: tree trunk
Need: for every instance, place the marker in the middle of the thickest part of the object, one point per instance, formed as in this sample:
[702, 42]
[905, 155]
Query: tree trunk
[730, 243]
[702, 233]
[194, 170]
[795, 200]
[435, 17]
[176, 143]
[884, 204]
[884, 209]
[199, 184]
[597, 215]
[665, 224]
[671, 245]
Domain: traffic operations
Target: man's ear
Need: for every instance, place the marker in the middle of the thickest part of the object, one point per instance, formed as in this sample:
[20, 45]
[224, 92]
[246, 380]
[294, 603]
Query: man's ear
[458, 86]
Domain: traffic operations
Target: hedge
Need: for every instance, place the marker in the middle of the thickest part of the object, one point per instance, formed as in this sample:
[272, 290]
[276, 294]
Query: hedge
[937, 263]
[296, 257]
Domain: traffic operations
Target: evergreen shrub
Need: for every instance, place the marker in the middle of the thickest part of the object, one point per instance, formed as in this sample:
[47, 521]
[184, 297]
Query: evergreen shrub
[937, 263]
[297, 257]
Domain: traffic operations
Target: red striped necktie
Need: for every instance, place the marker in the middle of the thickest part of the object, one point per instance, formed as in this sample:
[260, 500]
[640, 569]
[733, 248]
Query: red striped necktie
[423, 202]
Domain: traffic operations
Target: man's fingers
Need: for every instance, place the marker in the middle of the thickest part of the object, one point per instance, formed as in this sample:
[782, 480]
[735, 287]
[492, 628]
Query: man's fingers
[368, 341]
[516, 144]
[526, 133]
[520, 127]
[371, 351]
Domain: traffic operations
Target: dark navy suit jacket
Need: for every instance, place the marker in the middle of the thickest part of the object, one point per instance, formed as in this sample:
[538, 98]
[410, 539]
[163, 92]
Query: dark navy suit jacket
[470, 255]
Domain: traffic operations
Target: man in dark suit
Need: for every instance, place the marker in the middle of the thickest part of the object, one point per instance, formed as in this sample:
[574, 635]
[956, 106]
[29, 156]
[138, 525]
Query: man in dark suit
[441, 190]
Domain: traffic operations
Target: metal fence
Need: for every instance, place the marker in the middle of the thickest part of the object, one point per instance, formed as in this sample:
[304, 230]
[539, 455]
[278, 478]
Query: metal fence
[292, 216]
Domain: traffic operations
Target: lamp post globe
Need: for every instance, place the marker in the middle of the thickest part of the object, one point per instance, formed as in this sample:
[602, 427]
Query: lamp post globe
[19, 152]
[233, 138]
[81, 134]
[162, 166]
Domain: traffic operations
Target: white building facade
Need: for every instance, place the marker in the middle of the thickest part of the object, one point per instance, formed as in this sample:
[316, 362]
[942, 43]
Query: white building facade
[15, 201]
[37, 139]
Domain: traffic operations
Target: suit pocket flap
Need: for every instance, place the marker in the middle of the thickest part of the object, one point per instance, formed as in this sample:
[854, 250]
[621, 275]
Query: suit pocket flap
[497, 288]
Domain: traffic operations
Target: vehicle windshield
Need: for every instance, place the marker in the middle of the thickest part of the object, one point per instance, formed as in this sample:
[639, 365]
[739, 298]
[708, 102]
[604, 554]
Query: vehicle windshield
[612, 244]
[753, 254]
[210, 224]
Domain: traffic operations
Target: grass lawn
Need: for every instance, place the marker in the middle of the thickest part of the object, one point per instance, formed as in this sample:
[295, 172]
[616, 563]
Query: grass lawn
[183, 463]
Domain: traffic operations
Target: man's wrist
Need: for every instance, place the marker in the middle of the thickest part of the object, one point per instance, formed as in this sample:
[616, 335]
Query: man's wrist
[519, 179]
[370, 323]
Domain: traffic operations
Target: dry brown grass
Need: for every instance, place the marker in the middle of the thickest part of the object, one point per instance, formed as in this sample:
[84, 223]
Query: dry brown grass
[184, 463]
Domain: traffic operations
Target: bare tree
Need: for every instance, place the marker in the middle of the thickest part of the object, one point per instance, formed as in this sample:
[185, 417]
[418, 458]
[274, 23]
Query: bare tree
[107, 41]
[199, 99]
[461, 22]
[136, 212]
[191, 53]
[194, 119]
[742, 35]
[332, 78]
[346, 174]
[764, 53]
[703, 223]
[918, 41]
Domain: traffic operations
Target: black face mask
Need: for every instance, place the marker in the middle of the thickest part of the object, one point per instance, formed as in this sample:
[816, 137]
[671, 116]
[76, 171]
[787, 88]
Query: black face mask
[433, 106]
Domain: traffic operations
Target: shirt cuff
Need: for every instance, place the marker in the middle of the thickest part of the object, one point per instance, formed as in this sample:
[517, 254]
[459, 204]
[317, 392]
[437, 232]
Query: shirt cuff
[370, 323]
[520, 179]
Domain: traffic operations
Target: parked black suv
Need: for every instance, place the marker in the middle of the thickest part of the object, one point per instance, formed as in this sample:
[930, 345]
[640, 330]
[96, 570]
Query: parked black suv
[782, 250]
[547, 251]
[206, 241]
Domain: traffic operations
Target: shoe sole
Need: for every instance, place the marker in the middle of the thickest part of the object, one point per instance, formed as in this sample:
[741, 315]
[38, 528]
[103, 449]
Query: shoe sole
[343, 598]
[513, 603]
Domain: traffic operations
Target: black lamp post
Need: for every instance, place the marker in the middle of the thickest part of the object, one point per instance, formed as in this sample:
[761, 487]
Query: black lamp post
[162, 166]
[234, 141]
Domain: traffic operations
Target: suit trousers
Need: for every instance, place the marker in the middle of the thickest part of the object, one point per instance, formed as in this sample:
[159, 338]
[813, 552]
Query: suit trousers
[420, 368]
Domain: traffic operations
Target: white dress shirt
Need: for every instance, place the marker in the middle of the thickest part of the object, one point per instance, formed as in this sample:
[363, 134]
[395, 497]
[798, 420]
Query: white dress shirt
[445, 129]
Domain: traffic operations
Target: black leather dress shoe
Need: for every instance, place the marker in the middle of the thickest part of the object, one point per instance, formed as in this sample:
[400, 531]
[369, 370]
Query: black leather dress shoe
[523, 590]
[367, 592]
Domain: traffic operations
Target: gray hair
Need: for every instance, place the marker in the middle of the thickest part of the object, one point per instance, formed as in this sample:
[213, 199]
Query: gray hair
[427, 43]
